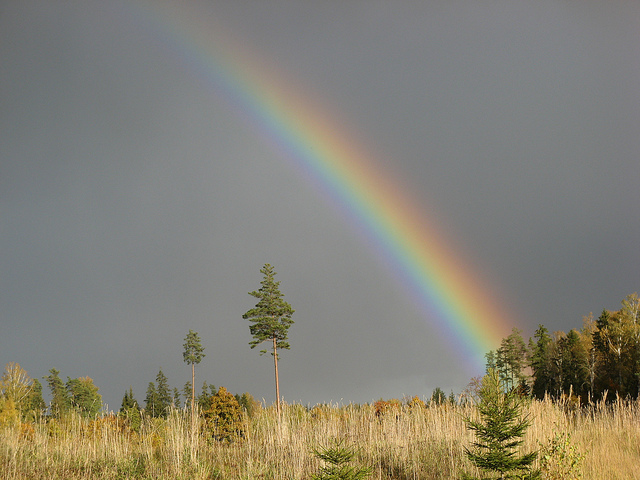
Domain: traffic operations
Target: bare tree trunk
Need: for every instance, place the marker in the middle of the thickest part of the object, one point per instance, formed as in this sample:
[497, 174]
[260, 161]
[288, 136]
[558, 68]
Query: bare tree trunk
[193, 389]
[275, 362]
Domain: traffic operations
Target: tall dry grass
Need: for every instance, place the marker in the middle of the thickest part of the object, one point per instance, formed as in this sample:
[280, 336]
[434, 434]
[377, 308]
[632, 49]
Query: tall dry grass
[412, 443]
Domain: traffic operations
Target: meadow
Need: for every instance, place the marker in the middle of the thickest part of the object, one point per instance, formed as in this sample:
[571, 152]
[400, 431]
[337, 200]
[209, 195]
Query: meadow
[410, 441]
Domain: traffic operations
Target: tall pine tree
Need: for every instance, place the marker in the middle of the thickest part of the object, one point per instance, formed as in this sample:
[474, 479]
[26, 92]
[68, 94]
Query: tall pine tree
[271, 318]
[192, 355]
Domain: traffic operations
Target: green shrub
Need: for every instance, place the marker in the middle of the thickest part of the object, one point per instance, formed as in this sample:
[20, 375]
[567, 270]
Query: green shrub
[561, 459]
[337, 457]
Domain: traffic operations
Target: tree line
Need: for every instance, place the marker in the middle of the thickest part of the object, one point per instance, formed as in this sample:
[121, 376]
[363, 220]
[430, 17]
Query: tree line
[601, 358]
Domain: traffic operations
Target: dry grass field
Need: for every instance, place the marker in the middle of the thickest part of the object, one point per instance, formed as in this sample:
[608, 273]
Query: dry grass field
[408, 443]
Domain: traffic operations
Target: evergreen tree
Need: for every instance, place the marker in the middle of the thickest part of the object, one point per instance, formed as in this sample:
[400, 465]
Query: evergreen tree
[511, 358]
[575, 364]
[84, 396]
[176, 398]
[128, 401]
[192, 355]
[206, 393]
[60, 401]
[248, 403]
[490, 358]
[271, 318]
[152, 405]
[337, 459]
[186, 394]
[540, 362]
[586, 337]
[125, 402]
[35, 405]
[438, 397]
[499, 432]
[130, 410]
[164, 394]
[557, 359]
[605, 367]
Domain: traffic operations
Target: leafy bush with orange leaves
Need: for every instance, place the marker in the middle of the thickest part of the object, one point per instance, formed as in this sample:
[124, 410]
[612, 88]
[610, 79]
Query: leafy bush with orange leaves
[223, 420]
[385, 407]
[415, 403]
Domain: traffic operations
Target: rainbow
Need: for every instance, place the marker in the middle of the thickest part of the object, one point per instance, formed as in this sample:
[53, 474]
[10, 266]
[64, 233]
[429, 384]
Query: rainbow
[451, 296]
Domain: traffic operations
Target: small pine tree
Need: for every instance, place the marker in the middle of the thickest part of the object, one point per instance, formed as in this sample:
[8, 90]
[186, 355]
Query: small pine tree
[499, 432]
[338, 457]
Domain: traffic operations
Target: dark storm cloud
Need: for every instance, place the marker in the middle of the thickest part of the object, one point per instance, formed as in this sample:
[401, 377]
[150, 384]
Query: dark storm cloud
[135, 204]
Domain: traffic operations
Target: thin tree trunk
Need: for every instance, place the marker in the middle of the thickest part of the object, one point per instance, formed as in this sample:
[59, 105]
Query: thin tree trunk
[193, 390]
[275, 362]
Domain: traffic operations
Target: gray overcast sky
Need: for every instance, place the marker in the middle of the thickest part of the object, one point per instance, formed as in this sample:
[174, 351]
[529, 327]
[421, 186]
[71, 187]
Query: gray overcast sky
[136, 203]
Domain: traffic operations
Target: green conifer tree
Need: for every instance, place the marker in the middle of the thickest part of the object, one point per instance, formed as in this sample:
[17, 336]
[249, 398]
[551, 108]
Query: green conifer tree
[35, 405]
[60, 401]
[186, 394]
[499, 432]
[192, 355]
[337, 458]
[271, 319]
[540, 362]
[176, 398]
[164, 394]
[128, 401]
[84, 396]
[438, 397]
[152, 405]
